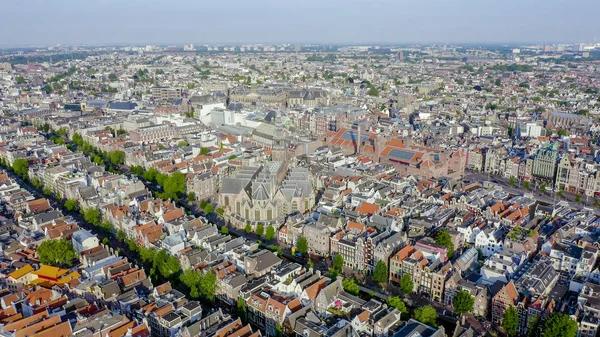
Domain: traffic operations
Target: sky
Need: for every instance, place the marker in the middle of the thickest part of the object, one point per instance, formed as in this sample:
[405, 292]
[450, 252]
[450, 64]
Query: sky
[95, 22]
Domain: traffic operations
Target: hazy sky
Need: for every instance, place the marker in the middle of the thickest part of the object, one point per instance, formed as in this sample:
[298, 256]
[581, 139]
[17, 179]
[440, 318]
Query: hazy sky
[47, 22]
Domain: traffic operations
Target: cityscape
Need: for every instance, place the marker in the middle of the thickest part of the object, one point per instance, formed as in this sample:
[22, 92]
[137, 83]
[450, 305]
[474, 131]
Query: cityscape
[267, 189]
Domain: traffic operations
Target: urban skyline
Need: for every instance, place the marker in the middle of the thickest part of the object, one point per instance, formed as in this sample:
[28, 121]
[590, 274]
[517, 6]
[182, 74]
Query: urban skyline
[465, 21]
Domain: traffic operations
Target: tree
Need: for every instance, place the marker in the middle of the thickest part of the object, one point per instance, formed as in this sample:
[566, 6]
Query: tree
[270, 234]
[191, 279]
[105, 241]
[173, 185]
[559, 325]
[191, 197]
[338, 262]
[20, 80]
[47, 191]
[151, 174]
[121, 236]
[350, 286]
[37, 183]
[21, 167]
[526, 184]
[578, 197]
[463, 302]
[512, 181]
[426, 315]
[596, 202]
[224, 230]
[98, 160]
[260, 229]
[248, 228]
[77, 139]
[380, 274]
[406, 284]
[204, 151]
[510, 321]
[208, 286]
[183, 143]
[58, 253]
[166, 265]
[373, 92]
[241, 309]
[137, 170]
[208, 209]
[116, 157]
[302, 245]
[396, 302]
[561, 132]
[92, 216]
[543, 187]
[444, 239]
[533, 329]
[560, 193]
[71, 205]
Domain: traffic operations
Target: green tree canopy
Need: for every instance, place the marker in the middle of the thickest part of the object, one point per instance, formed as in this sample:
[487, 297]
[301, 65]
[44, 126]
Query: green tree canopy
[463, 302]
[270, 234]
[380, 274]
[191, 197]
[224, 230]
[116, 157]
[71, 205]
[137, 170]
[426, 315]
[208, 209]
[350, 286]
[444, 239]
[406, 284]
[241, 309]
[92, 216]
[338, 262]
[260, 229]
[183, 143]
[559, 325]
[58, 253]
[151, 174]
[166, 265]
[204, 151]
[21, 167]
[396, 302]
[173, 185]
[248, 228]
[510, 321]
[302, 245]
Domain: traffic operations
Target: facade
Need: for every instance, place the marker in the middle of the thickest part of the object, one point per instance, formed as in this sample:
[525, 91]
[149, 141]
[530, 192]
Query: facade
[545, 163]
[507, 296]
[165, 93]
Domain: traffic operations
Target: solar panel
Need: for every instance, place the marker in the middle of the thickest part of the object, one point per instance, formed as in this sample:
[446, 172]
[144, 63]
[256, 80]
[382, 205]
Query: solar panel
[401, 154]
[351, 135]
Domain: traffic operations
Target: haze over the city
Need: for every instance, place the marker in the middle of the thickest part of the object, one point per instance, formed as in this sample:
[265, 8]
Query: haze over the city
[41, 22]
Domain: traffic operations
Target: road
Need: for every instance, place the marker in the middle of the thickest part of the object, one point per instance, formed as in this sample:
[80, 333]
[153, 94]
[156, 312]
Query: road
[56, 204]
[547, 198]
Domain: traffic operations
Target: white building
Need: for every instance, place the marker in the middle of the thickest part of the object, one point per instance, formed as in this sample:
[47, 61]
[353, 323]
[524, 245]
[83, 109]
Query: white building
[83, 240]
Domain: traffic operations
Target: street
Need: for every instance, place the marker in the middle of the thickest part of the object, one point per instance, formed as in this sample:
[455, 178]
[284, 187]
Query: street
[546, 198]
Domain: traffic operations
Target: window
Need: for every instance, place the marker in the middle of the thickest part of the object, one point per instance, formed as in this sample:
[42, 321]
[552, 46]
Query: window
[257, 214]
